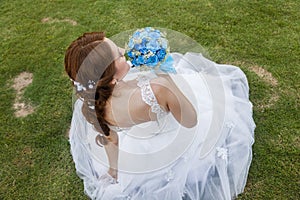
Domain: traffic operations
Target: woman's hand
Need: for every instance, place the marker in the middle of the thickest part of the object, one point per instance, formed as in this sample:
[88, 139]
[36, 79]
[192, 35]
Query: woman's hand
[113, 173]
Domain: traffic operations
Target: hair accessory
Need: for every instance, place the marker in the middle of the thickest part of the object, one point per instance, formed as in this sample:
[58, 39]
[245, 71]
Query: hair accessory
[91, 84]
[148, 49]
[92, 107]
[79, 86]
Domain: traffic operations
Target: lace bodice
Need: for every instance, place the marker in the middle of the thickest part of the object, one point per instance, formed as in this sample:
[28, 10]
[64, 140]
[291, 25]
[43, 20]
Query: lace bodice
[148, 97]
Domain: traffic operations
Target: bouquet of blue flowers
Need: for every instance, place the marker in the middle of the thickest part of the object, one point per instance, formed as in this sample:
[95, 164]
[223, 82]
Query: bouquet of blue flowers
[148, 49]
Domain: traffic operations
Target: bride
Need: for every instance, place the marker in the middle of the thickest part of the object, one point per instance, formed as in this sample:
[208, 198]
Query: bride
[165, 126]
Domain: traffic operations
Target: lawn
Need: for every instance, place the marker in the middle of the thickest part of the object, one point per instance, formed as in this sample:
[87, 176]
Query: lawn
[262, 37]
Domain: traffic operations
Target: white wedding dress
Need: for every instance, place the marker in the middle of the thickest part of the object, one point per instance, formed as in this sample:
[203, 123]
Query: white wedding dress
[165, 161]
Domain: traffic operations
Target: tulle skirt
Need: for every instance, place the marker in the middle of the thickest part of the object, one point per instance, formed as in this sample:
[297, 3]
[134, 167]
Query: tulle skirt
[213, 165]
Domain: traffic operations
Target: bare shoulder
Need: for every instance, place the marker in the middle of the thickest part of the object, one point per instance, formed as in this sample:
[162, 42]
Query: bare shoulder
[161, 88]
[161, 84]
[164, 84]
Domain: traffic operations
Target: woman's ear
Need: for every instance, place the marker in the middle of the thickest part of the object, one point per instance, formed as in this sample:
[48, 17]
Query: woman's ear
[114, 81]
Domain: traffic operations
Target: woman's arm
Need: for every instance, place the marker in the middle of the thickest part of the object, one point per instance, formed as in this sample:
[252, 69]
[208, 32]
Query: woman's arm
[169, 96]
[112, 151]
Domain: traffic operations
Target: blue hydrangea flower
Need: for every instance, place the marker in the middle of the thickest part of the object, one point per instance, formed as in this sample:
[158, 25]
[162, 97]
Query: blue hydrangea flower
[134, 62]
[164, 43]
[154, 35]
[137, 47]
[153, 45]
[136, 35]
[130, 54]
[152, 61]
[140, 60]
[143, 50]
[130, 44]
[161, 53]
[148, 29]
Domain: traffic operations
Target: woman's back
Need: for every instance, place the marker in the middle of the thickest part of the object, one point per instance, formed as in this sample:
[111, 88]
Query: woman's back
[142, 100]
[126, 107]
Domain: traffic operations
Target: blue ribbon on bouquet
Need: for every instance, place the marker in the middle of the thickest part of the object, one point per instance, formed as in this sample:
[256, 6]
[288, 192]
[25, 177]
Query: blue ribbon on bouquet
[168, 65]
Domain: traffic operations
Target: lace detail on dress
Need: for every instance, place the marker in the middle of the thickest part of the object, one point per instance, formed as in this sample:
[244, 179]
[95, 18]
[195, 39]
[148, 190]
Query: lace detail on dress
[149, 97]
[119, 129]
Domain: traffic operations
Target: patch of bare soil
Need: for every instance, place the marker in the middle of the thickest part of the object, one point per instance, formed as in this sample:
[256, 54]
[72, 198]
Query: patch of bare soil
[19, 84]
[265, 75]
[51, 20]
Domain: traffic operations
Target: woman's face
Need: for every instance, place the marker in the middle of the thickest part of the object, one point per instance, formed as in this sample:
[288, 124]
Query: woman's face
[122, 67]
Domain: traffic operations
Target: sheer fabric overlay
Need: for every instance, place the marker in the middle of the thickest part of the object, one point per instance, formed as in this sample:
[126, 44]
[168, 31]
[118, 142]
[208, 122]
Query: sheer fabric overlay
[207, 161]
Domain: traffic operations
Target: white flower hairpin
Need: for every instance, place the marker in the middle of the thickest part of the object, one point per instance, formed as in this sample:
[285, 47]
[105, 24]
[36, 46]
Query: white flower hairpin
[91, 106]
[91, 84]
[79, 86]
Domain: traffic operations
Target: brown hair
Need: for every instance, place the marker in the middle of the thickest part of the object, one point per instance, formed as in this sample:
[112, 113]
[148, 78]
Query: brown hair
[82, 68]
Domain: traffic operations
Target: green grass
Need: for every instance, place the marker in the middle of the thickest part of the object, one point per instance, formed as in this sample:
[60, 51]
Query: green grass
[35, 162]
